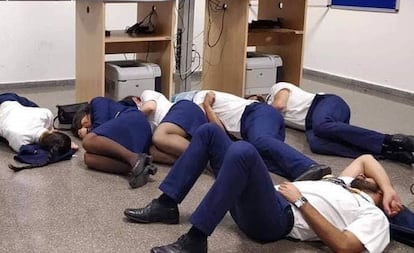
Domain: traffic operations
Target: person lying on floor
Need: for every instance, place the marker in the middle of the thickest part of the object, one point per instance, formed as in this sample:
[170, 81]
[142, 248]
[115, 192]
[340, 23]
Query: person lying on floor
[116, 139]
[325, 119]
[23, 123]
[262, 126]
[173, 123]
[343, 212]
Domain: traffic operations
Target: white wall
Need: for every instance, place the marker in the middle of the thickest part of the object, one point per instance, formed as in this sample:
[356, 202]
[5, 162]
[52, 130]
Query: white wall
[37, 41]
[368, 46]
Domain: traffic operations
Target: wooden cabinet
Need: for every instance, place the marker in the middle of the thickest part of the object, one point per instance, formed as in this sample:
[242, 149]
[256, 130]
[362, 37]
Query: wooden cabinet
[224, 63]
[92, 45]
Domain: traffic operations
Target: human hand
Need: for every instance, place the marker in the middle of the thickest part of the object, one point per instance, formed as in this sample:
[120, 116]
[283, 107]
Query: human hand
[391, 203]
[289, 191]
[209, 99]
[74, 146]
[82, 132]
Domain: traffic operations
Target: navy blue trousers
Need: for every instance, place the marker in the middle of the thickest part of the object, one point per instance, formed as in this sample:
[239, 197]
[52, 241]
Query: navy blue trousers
[328, 130]
[10, 96]
[242, 186]
[263, 126]
[187, 115]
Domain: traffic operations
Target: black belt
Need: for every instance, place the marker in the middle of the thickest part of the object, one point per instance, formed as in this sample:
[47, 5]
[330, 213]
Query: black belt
[290, 218]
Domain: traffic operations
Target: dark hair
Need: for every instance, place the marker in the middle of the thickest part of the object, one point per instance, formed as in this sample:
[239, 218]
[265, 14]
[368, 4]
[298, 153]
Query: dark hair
[128, 101]
[256, 97]
[56, 144]
[77, 119]
[365, 186]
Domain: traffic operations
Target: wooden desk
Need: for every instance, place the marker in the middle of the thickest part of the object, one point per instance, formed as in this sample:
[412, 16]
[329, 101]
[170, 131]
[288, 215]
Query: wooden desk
[224, 65]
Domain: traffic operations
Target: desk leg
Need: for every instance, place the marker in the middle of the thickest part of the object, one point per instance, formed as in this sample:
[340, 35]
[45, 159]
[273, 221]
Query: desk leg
[90, 50]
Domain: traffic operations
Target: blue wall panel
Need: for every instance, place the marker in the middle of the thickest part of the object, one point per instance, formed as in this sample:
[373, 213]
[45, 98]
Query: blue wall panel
[383, 4]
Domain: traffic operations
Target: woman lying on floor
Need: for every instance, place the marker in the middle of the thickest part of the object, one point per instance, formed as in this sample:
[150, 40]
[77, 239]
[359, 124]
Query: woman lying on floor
[115, 138]
[174, 124]
[23, 123]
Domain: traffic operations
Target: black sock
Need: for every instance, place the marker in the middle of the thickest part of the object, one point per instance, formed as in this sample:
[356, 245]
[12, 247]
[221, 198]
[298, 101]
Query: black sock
[165, 200]
[196, 234]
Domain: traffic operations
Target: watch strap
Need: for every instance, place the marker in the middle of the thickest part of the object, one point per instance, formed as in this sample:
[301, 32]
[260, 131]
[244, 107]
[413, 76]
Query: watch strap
[300, 202]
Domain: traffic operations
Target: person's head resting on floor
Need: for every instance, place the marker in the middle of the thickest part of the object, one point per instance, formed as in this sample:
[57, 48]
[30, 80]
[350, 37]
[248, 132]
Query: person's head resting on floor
[81, 122]
[56, 143]
[369, 186]
[256, 97]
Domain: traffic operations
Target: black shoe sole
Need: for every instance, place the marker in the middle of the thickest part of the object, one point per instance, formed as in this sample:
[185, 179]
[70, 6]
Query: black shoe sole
[139, 177]
[138, 220]
[314, 175]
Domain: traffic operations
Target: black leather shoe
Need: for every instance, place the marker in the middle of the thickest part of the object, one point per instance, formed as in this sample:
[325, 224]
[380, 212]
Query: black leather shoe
[141, 170]
[315, 172]
[402, 142]
[154, 212]
[184, 244]
[400, 156]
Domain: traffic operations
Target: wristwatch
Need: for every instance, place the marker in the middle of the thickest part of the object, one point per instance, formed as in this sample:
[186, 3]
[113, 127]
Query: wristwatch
[300, 202]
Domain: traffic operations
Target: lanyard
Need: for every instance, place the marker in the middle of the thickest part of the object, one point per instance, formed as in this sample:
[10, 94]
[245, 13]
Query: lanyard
[341, 182]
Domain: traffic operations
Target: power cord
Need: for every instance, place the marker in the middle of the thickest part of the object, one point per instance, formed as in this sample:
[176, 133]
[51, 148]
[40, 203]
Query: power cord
[184, 76]
[216, 6]
[145, 26]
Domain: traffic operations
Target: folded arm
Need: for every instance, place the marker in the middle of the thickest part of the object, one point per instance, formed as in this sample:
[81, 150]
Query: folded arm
[280, 99]
[367, 165]
[148, 107]
[207, 105]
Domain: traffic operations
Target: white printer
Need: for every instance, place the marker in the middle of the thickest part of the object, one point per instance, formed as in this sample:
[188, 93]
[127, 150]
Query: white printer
[125, 78]
[261, 72]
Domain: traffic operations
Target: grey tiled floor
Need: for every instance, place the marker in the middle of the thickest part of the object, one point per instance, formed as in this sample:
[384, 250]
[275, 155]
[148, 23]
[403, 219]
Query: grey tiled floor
[65, 207]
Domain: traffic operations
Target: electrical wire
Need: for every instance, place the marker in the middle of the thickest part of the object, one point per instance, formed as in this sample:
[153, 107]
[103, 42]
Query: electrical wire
[184, 75]
[178, 45]
[180, 17]
[141, 27]
[191, 72]
[214, 5]
[148, 50]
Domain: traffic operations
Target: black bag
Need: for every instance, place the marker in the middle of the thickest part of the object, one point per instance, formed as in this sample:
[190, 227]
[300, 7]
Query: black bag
[66, 113]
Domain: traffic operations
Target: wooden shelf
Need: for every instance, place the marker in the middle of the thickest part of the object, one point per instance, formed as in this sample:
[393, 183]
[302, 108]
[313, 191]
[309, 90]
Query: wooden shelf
[121, 36]
[92, 45]
[278, 30]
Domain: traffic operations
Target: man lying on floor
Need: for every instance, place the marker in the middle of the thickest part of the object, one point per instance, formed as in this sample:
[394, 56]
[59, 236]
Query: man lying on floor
[325, 119]
[341, 212]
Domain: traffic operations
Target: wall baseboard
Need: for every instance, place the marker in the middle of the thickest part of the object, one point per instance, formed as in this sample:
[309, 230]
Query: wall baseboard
[37, 84]
[396, 95]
